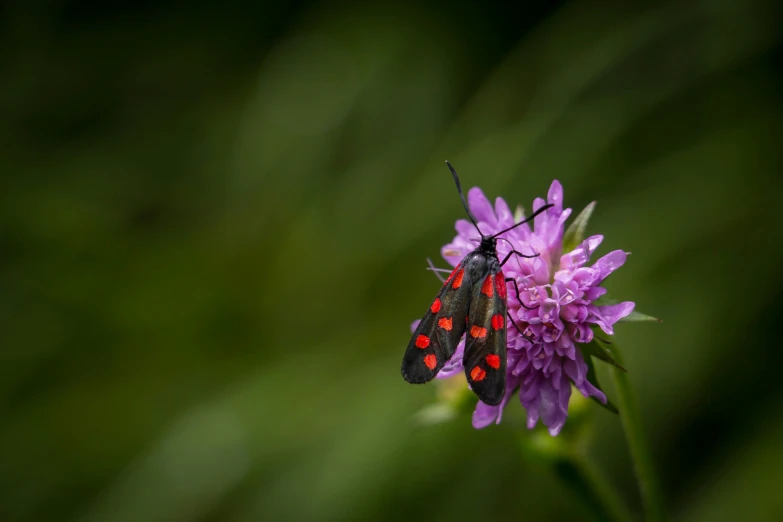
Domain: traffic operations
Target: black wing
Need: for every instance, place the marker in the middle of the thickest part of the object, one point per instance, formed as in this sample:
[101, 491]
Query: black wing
[485, 342]
[436, 338]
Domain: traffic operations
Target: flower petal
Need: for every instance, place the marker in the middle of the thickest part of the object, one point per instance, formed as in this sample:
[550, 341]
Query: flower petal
[593, 293]
[454, 366]
[555, 196]
[540, 221]
[481, 208]
[553, 414]
[581, 254]
[608, 264]
[484, 414]
[532, 416]
[465, 229]
[613, 313]
[577, 370]
[529, 397]
[570, 312]
[503, 212]
[588, 390]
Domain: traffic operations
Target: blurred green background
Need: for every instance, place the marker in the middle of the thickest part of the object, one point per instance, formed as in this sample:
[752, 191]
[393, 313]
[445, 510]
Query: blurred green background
[215, 220]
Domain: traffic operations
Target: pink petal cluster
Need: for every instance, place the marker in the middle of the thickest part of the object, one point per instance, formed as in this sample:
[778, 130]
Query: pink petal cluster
[558, 291]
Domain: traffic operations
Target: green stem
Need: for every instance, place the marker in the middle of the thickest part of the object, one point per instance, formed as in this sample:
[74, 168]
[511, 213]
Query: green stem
[649, 487]
[590, 484]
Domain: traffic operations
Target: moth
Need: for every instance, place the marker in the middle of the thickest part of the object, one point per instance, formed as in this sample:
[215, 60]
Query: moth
[472, 302]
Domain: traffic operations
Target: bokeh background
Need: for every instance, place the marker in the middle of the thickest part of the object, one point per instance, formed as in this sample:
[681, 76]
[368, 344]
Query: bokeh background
[214, 226]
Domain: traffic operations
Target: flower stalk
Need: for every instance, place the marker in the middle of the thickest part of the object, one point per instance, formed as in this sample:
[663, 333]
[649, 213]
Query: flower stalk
[649, 486]
[588, 482]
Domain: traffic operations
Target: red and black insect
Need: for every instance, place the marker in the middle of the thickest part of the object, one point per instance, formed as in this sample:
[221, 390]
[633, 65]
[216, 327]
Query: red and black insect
[472, 300]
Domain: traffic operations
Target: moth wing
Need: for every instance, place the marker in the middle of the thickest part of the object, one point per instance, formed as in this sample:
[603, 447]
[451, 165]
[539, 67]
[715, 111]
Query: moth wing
[438, 334]
[485, 341]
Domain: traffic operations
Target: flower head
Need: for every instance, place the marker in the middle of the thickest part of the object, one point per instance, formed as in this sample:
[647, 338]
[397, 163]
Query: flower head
[555, 308]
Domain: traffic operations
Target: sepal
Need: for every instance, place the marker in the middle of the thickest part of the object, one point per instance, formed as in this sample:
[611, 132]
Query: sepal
[600, 350]
[575, 233]
[638, 317]
[593, 379]
[519, 214]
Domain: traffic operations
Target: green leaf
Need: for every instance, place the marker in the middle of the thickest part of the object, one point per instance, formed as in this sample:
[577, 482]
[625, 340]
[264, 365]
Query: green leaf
[600, 350]
[575, 233]
[638, 317]
[593, 378]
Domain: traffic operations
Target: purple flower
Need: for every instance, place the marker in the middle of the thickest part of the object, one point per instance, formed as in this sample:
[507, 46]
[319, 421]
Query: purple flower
[558, 293]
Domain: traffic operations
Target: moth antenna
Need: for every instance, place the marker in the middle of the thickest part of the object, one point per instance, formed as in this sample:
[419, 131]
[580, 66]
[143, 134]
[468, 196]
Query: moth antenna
[534, 214]
[462, 197]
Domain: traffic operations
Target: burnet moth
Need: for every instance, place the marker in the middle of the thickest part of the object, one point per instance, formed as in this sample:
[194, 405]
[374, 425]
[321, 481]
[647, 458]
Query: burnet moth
[472, 300]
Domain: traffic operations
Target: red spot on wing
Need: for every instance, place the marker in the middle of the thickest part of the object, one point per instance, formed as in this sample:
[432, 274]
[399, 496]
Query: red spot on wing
[445, 323]
[477, 331]
[422, 341]
[451, 275]
[477, 374]
[497, 321]
[493, 360]
[500, 285]
[486, 288]
[430, 361]
[435, 306]
[458, 279]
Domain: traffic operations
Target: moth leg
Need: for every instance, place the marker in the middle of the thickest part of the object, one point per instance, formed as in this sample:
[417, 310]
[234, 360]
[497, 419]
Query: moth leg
[516, 289]
[511, 320]
[436, 270]
[520, 254]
